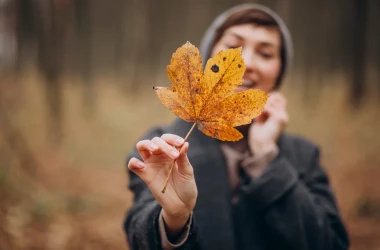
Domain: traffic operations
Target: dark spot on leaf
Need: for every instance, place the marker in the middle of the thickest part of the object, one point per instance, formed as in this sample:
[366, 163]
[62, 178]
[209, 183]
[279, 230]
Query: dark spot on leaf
[199, 79]
[243, 96]
[239, 65]
[224, 58]
[198, 91]
[215, 68]
[241, 112]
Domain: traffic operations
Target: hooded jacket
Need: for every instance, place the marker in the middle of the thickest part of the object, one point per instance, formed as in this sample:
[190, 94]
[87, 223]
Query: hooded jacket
[290, 206]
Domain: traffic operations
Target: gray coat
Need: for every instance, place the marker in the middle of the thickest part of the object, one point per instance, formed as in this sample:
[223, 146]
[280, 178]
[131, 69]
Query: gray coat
[290, 206]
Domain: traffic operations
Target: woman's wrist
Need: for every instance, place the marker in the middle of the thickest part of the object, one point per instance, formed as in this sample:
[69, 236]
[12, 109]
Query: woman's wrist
[174, 224]
[261, 148]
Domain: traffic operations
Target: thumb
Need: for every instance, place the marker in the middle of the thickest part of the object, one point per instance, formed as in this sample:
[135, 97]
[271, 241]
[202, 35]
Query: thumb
[183, 163]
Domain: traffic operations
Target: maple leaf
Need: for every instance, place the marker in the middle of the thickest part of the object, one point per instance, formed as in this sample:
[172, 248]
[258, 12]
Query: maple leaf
[208, 97]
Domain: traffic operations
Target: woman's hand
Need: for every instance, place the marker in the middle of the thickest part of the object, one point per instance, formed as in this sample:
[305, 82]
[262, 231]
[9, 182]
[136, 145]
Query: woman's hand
[181, 193]
[265, 130]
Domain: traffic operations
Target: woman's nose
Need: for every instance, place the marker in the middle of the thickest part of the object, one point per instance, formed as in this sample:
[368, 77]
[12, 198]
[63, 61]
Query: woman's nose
[249, 60]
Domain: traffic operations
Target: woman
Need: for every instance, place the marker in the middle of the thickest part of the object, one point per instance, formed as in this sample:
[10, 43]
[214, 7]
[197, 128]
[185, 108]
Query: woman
[266, 191]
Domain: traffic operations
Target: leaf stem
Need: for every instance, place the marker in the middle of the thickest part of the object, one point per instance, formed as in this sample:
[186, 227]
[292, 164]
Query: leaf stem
[171, 168]
[191, 130]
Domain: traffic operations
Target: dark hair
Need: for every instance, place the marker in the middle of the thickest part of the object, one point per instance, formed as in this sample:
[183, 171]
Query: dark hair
[253, 16]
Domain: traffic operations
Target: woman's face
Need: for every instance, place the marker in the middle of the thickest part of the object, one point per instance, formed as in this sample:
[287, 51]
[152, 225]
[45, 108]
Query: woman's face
[261, 47]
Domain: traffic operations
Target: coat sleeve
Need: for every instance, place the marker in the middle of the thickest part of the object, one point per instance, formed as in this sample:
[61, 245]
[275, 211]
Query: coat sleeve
[299, 209]
[142, 221]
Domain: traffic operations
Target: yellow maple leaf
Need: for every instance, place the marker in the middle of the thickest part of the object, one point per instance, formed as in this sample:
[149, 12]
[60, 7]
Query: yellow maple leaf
[208, 97]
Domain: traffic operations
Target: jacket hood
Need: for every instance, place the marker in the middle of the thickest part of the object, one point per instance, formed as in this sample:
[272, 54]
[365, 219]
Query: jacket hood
[209, 36]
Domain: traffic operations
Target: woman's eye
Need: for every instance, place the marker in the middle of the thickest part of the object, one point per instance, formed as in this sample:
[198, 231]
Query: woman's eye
[232, 46]
[266, 55]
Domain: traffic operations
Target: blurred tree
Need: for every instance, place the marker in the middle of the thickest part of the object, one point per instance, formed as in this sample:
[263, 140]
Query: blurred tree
[51, 31]
[360, 36]
[82, 9]
[8, 47]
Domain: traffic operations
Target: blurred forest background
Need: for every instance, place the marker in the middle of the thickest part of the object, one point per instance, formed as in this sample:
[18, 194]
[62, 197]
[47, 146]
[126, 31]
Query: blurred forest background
[76, 93]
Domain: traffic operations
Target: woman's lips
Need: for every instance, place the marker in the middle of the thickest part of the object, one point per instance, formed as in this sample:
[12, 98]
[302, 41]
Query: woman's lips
[247, 84]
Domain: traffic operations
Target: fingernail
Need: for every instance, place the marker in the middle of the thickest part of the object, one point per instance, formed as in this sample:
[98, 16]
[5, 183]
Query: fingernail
[140, 165]
[179, 141]
[153, 146]
[174, 154]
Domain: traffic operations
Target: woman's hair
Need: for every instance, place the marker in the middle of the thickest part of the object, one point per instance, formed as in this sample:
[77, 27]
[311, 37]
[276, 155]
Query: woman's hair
[253, 16]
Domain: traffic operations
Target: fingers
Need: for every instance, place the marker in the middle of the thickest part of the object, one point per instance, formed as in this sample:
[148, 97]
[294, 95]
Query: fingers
[146, 148]
[160, 151]
[165, 148]
[277, 114]
[183, 163]
[166, 143]
[139, 168]
[159, 146]
[174, 140]
[277, 99]
[136, 166]
[276, 103]
[275, 109]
